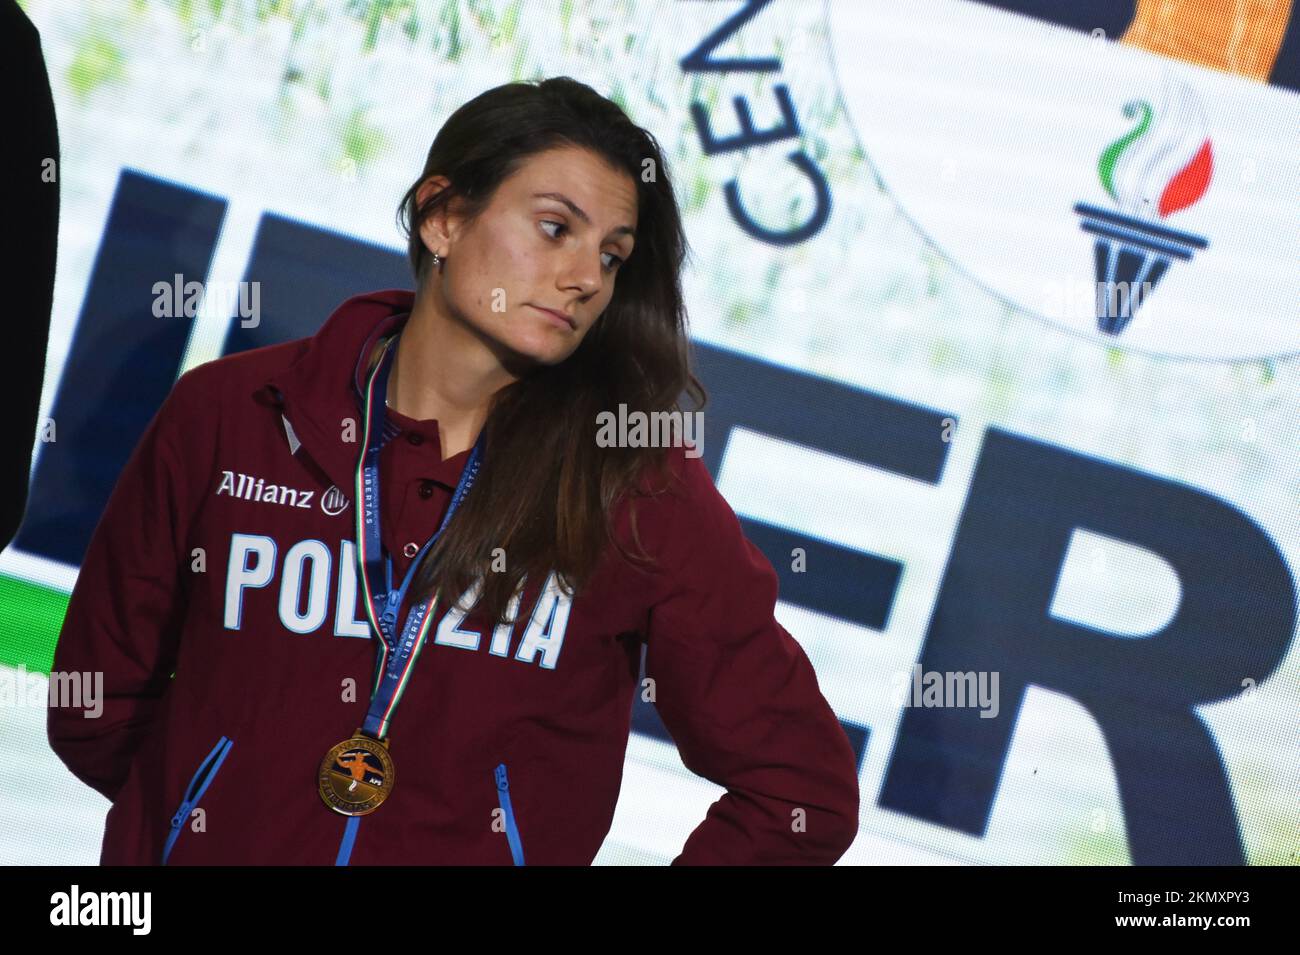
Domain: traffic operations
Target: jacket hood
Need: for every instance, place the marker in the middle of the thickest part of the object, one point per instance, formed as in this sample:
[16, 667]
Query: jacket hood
[313, 399]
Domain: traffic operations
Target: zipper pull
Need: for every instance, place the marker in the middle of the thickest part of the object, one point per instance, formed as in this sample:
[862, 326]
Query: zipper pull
[389, 616]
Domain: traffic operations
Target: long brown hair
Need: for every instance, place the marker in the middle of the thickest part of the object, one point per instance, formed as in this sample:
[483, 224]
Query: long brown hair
[547, 491]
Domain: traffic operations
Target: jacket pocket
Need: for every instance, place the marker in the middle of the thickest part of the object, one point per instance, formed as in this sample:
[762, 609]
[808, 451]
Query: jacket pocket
[512, 829]
[199, 784]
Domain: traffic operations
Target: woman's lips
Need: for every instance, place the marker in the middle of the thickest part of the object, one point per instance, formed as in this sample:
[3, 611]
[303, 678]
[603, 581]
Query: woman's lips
[558, 317]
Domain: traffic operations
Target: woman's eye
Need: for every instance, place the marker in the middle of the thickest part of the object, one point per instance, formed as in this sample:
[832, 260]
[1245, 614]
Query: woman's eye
[609, 266]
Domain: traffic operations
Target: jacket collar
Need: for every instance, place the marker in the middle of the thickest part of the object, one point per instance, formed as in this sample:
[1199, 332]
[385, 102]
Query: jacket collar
[320, 391]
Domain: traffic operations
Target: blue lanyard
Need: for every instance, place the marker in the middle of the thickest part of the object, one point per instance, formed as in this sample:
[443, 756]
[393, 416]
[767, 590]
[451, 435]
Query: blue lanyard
[397, 656]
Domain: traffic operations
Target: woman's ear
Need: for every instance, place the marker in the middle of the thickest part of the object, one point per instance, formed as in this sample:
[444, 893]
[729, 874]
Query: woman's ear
[437, 231]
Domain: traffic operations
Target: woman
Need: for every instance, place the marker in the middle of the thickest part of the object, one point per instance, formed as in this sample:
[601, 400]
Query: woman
[274, 493]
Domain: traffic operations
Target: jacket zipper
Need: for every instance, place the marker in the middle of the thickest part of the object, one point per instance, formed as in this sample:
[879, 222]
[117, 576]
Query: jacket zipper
[199, 784]
[512, 830]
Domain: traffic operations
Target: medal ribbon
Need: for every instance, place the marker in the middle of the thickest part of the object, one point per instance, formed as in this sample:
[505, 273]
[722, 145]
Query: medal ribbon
[396, 656]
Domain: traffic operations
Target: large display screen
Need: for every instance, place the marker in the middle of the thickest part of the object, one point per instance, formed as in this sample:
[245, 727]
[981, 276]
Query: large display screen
[1064, 236]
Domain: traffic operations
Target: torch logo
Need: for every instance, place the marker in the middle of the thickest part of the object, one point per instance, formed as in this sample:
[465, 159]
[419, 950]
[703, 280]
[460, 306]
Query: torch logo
[1162, 165]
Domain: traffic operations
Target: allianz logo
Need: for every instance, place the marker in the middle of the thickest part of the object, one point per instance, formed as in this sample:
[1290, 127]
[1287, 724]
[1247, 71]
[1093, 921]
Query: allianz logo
[249, 488]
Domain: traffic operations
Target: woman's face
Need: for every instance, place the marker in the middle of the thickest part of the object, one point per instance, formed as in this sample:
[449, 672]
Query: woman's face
[553, 237]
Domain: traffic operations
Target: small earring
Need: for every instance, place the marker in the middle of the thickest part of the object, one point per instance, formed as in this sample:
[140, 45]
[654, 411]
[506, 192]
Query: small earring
[437, 260]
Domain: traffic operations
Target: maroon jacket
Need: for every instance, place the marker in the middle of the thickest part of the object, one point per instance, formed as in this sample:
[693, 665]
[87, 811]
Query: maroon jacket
[226, 555]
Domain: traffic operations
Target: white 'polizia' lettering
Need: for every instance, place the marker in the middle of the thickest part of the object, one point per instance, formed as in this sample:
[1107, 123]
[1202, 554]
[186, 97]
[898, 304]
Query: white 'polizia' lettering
[310, 578]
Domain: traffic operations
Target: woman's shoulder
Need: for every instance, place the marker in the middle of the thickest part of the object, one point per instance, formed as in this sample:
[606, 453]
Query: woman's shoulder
[675, 502]
[232, 379]
[695, 541]
[676, 470]
[252, 366]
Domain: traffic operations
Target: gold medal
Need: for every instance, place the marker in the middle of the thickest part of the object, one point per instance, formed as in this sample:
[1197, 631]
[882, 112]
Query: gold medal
[356, 775]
